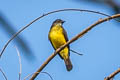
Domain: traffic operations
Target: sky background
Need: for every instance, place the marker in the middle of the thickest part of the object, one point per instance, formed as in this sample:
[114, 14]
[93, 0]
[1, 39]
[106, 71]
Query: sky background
[100, 46]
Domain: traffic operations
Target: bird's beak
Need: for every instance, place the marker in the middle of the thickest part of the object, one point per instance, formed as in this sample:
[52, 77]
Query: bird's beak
[63, 22]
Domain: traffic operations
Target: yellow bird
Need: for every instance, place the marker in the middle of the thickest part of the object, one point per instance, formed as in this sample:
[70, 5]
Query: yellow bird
[58, 37]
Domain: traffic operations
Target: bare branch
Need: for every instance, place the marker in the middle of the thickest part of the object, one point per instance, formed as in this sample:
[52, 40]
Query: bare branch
[29, 75]
[38, 72]
[76, 52]
[3, 74]
[19, 62]
[56, 11]
[70, 41]
[48, 75]
[111, 76]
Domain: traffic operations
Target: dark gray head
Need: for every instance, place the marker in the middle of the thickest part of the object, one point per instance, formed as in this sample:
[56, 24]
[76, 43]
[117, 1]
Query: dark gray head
[58, 21]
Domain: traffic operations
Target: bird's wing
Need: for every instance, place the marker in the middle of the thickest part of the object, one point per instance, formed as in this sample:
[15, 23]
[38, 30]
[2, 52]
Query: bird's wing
[66, 38]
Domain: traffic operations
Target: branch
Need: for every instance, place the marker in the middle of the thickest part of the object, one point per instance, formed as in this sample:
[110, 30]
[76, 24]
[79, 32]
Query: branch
[70, 41]
[38, 72]
[48, 75]
[10, 30]
[29, 75]
[19, 62]
[111, 76]
[3, 74]
[56, 11]
[76, 52]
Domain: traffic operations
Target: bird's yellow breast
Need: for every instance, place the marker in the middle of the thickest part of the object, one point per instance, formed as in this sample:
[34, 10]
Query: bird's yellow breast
[58, 39]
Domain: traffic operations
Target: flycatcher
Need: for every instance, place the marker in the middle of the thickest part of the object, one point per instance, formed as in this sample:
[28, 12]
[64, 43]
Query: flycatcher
[58, 37]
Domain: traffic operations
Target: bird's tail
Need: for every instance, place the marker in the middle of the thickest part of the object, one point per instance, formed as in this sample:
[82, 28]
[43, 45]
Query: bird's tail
[68, 64]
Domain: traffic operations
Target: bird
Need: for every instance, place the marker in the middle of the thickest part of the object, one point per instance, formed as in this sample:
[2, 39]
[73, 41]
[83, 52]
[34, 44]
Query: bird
[58, 37]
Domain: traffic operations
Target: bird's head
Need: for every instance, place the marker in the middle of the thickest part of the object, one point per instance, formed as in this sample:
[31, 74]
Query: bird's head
[58, 22]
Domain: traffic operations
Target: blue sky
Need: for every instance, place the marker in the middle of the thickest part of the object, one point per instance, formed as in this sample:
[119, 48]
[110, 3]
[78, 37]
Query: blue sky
[100, 46]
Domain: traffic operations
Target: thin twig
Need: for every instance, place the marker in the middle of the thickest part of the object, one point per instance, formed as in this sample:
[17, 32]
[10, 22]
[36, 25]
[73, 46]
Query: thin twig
[38, 72]
[19, 62]
[48, 75]
[76, 52]
[111, 76]
[70, 41]
[56, 11]
[3, 74]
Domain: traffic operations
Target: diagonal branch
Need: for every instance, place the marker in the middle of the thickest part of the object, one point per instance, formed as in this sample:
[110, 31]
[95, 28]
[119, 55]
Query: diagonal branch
[112, 75]
[76, 52]
[56, 11]
[70, 41]
[3, 74]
